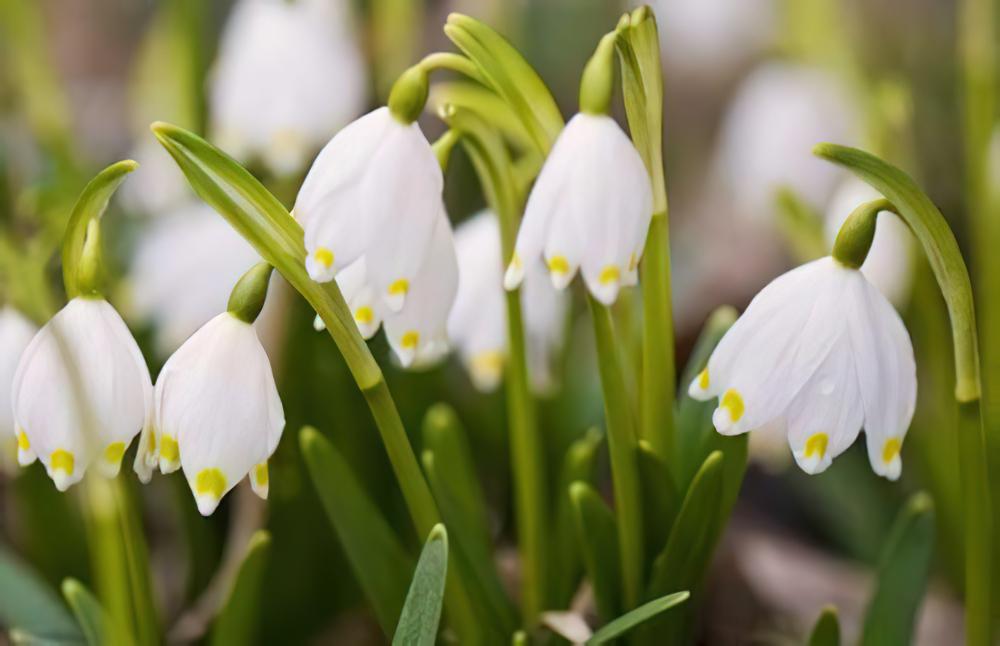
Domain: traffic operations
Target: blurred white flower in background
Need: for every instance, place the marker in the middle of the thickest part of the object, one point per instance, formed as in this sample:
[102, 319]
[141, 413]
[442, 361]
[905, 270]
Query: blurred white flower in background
[779, 112]
[712, 37]
[478, 322]
[186, 263]
[16, 331]
[888, 265]
[287, 77]
[158, 185]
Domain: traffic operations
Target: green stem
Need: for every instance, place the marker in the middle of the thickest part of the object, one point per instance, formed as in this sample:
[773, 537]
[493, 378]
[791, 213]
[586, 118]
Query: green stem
[622, 446]
[452, 62]
[976, 523]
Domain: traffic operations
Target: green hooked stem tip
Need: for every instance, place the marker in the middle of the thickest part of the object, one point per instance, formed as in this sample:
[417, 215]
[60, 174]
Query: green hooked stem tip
[247, 298]
[855, 237]
[88, 276]
[409, 94]
[598, 79]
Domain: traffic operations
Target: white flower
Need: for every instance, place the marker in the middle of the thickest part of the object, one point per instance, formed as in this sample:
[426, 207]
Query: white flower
[590, 208]
[16, 332]
[711, 37]
[81, 392]
[217, 411]
[478, 321]
[157, 185]
[288, 75]
[374, 191]
[780, 111]
[186, 263]
[821, 351]
[888, 265]
[360, 297]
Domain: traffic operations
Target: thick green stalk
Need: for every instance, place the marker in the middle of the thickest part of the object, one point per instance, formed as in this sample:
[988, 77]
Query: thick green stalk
[623, 447]
[941, 249]
[492, 163]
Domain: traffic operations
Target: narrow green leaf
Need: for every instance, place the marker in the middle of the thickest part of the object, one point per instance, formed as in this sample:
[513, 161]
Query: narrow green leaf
[660, 498]
[372, 547]
[90, 615]
[92, 203]
[239, 621]
[826, 632]
[630, 620]
[510, 76]
[902, 575]
[597, 536]
[486, 103]
[579, 464]
[29, 604]
[520, 638]
[801, 226]
[418, 624]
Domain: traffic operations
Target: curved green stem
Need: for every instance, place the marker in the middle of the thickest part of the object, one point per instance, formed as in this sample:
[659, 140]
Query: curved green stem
[938, 242]
[452, 62]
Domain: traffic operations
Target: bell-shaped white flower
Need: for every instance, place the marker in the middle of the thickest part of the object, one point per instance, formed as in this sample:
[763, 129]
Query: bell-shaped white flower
[589, 209]
[365, 306]
[16, 331]
[779, 112]
[288, 75]
[888, 265]
[374, 191]
[217, 411]
[186, 263]
[81, 392]
[821, 351]
[478, 321]
[418, 332]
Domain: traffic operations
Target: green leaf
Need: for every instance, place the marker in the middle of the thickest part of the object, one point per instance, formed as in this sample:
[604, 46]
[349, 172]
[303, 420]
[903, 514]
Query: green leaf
[510, 76]
[579, 464]
[27, 603]
[92, 203]
[902, 575]
[597, 536]
[660, 498]
[826, 632]
[418, 624]
[630, 620]
[372, 547]
[801, 226]
[239, 620]
[92, 617]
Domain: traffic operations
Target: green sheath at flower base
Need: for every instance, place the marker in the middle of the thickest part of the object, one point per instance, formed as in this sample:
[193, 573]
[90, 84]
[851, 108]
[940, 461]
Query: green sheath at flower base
[855, 237]
[409, 94]
[597, 83]
[88, 273]
[247, 298]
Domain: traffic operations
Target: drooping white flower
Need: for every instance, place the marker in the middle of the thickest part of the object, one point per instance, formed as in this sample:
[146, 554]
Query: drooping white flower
[478, 321]
[823, 352]
[81, 392]
[288, 75]
[186, 263]
[779, 112]
[888, 262]
[217, 411]
[589, 209]
[708, 38]
[374, 191]
[16, 332]
[365, 307]
[157, 186]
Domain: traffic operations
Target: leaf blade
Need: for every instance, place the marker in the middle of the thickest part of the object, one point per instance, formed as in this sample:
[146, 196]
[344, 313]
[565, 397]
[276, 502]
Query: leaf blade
[643, 613]
[418, 623]
[236, 623]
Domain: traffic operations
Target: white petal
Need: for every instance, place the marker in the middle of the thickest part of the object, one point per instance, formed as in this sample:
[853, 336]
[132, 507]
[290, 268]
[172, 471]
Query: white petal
[543, 310]
[16, 332]
[218, 399]
[360, 297]
[81, 390]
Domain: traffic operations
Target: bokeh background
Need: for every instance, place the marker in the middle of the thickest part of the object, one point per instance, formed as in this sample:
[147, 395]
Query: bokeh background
[750, 86]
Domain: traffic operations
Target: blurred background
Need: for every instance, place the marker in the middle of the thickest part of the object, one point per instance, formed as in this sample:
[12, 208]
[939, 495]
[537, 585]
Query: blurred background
[750, 86]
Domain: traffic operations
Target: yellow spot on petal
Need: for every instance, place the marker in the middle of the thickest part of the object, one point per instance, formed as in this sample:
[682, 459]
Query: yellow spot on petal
[410, 339]
[364, 315]
[22, 440]
[558, 265]
[61, 459]
[260, 474]
[152, 442]
[168, 449]
[210, 482]
[609, 274]
[113, 452]
[488, 362]
[324, 257]
[401, 286]
[703, 379]
[732, 400]
[632, 262]
[891, 449]
[816, 445]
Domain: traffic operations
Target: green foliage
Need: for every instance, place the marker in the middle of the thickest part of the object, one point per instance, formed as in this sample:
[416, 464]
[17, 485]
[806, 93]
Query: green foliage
[418, 623]
[93, 619]
[597, 535]
[826, 632]
[630, 620]
[29, 605]
[239, 620]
